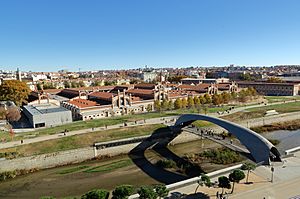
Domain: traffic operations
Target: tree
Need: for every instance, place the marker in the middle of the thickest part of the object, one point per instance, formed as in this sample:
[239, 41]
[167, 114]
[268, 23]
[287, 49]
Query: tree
[149, 108]
[13, 114]
[233, 95]
[184, 103]
[225, 97]
[96, 194]
[216, 99]
[3, 113]
[67, 84]
[202, 99]
[147, 193]
[161, 190]
[243, 95]
[178, 103]
[81, 84]
[164, 105]
[204, 180]
[190, 102]
[157, 105]
[197, 101]
[224, 183]
[252, 91]
[236, 176]
[246, 77]
[122, 192]
[207, 98]
[248, 166]
[274, 80]
[176, 78]
[74, 84]
[39, 86]
[47, 197]
[171, 105]
[14, 90]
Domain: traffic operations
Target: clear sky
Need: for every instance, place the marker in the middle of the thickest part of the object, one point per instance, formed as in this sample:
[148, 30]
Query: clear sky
[48, 35]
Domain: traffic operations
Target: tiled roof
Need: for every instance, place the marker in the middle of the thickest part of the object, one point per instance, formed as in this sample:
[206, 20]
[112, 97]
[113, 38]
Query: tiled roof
[199, 87]
[147, 86]
[82, 103]
[140, 91]
[223, 86]
[102, 95]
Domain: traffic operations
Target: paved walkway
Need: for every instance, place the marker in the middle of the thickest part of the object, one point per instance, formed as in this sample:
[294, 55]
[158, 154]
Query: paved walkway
[218, 139]
[162, 120]
[285, 185]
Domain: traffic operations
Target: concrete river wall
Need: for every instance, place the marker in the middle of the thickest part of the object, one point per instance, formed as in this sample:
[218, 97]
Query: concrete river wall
[51, 160]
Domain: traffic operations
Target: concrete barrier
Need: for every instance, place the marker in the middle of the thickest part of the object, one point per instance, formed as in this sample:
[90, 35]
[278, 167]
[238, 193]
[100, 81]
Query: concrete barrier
[287, 152]
[190, 181]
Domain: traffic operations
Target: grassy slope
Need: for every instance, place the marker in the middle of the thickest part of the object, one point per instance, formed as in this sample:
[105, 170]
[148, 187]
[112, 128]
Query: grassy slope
[260, 111]
[80, 141]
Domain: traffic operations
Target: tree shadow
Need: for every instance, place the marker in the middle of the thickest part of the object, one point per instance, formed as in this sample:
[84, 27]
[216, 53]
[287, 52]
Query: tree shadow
[159, 141]
[199, 195]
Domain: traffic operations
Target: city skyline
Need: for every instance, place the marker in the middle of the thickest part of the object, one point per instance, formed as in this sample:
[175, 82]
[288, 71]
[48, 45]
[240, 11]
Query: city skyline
[69, 35]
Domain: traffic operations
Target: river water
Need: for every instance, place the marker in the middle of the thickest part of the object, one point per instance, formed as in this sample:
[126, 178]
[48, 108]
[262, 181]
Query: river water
[288, 139]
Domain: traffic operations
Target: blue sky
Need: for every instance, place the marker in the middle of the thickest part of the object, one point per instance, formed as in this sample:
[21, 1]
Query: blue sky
[48, 35]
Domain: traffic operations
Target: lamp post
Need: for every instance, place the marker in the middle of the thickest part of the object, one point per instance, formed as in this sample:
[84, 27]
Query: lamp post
[272, 178]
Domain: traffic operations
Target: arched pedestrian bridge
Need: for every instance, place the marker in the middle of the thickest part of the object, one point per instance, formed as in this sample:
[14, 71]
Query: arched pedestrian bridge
[260, 148]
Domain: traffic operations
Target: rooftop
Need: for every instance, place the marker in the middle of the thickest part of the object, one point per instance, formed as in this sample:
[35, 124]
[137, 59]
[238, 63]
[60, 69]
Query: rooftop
[40, 109]
[83, 103]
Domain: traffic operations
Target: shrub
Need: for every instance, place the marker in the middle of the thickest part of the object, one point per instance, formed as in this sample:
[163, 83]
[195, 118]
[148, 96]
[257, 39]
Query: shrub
[122, 192]
[96, 194]
[166, 163]
[221, 156]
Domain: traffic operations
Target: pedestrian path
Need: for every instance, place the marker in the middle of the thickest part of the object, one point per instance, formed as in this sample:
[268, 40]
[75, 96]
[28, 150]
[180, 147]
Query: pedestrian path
[162, 120]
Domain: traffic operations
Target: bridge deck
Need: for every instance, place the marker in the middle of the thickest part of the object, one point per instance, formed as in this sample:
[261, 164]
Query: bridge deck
[225, 142]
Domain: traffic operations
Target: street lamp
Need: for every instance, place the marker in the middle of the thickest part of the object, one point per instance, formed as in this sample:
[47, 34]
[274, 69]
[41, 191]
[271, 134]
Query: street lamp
[272, 169]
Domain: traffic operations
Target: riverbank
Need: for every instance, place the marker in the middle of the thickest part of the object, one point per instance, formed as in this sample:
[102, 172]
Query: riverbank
[73, 180]
[287, 125]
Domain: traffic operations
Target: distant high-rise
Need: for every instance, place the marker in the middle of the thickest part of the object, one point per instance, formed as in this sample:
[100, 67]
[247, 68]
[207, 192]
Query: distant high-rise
[18, 75]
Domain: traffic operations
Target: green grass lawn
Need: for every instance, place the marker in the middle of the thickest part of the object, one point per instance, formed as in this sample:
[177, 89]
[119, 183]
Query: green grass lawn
[260, 111]
[83, 140]
[272, 99]
[110, 167]
[280, 108]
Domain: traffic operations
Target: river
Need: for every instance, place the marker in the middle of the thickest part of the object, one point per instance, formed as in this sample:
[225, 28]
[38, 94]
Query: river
[288, 139]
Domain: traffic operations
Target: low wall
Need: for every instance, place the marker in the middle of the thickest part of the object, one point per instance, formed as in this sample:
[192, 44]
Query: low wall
[47, 160]
[51, 160]
[194, 180]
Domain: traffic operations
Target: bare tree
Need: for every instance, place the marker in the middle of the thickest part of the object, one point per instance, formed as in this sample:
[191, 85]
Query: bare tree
[13, 114]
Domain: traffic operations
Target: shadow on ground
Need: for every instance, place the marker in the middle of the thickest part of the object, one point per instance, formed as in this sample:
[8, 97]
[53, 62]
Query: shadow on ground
[159, 141]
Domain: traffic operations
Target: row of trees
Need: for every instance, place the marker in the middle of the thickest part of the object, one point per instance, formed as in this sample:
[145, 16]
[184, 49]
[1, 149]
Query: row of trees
[74, 84]
[235, 177]
[123, 192]
[199, 101]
